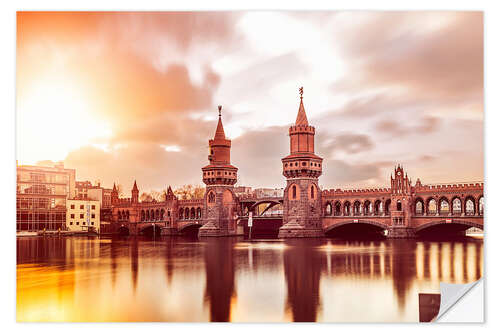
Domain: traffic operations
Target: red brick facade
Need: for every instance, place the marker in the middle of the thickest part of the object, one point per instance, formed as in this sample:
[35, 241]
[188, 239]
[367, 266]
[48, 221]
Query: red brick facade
[403, 209]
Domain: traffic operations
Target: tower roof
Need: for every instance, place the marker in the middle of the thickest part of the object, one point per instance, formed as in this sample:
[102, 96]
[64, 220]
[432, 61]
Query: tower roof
[135, 186]
[301, 115]
[114, 187]
[219, 132]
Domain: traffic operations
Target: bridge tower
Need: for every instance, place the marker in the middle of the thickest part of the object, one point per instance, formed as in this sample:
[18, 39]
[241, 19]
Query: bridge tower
[220, 203]
[114, 195]
[135, 193]
[302, 168]
[400, 207]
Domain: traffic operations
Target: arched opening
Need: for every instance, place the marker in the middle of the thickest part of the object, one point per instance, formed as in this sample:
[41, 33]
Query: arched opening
[143, 215]
[456, 206]
[444, 230]
[211, 197]
[338, 208]
[312, 192]
[470, 206]
[151, 231]
[444, 207]
[128, 215]
[294, 192]
[378, 207]
[431, 207]
[399, 207]
[123, 231]
[119, 215]
[358, 230]
[481, 205]
[387, 207]
[162, 214]
[157, 215]
[147, 215]
[190, 230]
[193, 213]
[181, 213]
[198, 213]
[152, 214]
[367, 208]
[328, 209]
[357, 208]
[347, 208]
[419, 206]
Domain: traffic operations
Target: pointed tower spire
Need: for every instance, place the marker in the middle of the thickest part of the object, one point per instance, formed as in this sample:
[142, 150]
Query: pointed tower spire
[219, 132]
[301, 115]
[114, 187]
[134, 188]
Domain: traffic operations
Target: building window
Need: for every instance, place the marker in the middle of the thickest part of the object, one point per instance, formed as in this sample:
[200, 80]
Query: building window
[92, 223]
[294, 192]
[71, 223]
[77, 223]
[72, 216]
[81, 206]
[84, 223]
[93, 206]
[72, 206]
[81, 216]
[93, 215]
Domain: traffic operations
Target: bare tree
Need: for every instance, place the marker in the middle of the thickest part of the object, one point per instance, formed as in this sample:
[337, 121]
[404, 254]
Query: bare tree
[189, 191]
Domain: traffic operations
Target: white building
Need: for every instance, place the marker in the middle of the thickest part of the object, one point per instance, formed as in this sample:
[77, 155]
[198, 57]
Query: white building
[83, 215]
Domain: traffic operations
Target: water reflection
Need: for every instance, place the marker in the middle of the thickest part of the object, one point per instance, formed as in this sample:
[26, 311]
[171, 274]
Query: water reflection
[177, 279]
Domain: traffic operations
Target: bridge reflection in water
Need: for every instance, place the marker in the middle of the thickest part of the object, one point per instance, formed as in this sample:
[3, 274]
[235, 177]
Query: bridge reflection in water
[180, 279]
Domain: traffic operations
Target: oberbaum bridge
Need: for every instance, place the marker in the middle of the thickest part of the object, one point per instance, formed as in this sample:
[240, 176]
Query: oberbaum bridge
[402, 210]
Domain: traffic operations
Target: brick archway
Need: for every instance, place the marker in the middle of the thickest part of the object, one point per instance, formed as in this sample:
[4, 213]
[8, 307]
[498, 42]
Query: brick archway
[369, 222]
[453, 223]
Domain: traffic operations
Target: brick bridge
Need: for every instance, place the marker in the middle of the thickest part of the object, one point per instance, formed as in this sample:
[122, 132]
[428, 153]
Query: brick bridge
[401, 210]
[398, 211]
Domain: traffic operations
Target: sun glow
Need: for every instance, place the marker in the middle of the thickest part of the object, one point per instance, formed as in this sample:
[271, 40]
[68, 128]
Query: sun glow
[54, 117]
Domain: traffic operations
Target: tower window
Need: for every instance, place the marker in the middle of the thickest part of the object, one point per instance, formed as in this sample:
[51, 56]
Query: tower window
[294, 192]
[211, 197]
[398, 205]
[304, 163]
[312, 192]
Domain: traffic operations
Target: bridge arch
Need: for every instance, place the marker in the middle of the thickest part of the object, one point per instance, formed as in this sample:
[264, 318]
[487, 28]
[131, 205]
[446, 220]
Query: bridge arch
[123, 231]
[151, 230]
[271, 202]
[441, 227]
[190, 228]
[362, 228]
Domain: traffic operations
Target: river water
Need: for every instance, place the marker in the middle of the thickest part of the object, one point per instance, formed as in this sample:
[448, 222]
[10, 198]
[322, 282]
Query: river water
[232, 279]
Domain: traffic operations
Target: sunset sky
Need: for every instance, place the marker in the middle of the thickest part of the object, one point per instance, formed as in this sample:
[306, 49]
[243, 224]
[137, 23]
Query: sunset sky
[124, 96]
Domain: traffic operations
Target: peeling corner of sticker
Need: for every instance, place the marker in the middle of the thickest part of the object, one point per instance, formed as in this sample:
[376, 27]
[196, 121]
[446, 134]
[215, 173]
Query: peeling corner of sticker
[450, 294]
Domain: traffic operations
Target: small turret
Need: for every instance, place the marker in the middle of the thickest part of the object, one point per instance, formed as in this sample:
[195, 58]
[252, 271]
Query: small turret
[135, 193]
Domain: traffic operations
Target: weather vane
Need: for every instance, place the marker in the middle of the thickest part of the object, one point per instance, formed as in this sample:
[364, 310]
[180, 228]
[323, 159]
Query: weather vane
[220, 108]
[301, 92]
